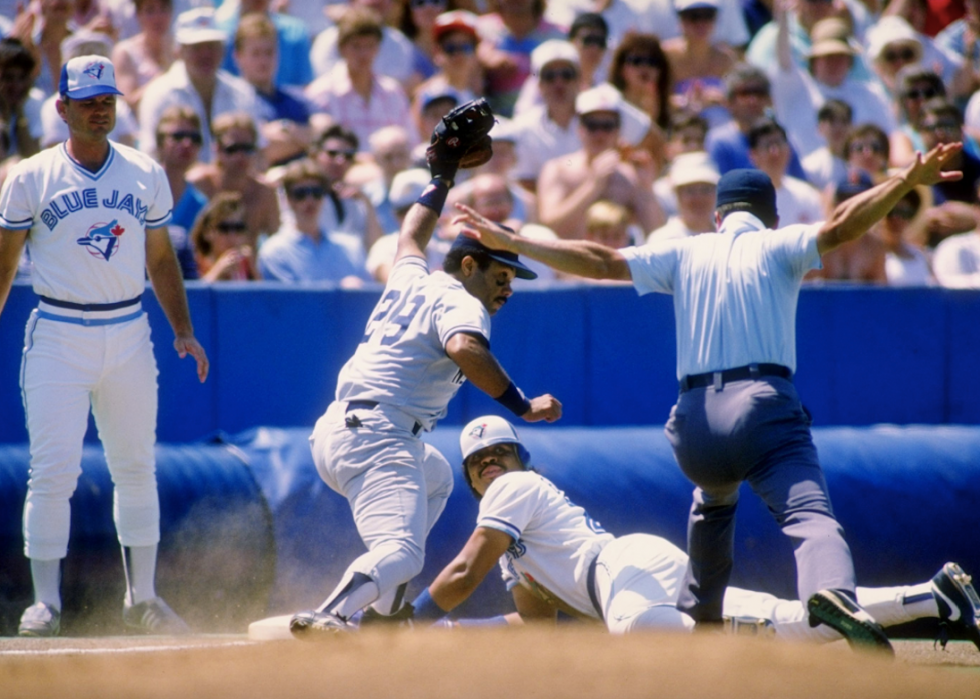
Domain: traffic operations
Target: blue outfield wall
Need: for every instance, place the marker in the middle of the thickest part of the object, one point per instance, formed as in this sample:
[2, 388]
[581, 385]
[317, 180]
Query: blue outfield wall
[249, 529]
[866, 356]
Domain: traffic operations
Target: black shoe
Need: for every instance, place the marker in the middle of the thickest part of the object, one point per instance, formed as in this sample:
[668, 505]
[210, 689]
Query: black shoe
[154, 616]
[40, 620]
[959, 604]
[837, 610]
[313, 625]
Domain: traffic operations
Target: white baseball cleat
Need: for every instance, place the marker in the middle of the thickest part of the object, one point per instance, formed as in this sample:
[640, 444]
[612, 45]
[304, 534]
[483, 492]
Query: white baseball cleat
[314, 625]
[154, 616]
[40, 620]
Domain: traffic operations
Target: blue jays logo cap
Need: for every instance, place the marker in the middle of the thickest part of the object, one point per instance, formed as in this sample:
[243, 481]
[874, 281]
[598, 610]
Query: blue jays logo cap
[471, 245]
[88, 76]
[746, 186]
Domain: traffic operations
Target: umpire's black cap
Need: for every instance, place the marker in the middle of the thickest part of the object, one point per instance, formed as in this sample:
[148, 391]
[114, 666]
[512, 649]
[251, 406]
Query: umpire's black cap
[469, 245]
[745, 186]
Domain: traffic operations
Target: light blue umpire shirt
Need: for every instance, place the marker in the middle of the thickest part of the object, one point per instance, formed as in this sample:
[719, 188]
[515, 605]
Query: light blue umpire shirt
[735, 291]
[291, 256]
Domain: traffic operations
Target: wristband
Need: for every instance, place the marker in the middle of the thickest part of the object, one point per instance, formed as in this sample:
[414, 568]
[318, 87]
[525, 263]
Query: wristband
[499, 620]
[513, 399]
[426, 608]
[434, 196]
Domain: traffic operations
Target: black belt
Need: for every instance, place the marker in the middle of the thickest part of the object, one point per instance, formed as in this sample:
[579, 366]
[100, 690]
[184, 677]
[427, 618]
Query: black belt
[371, 405]
[720, 378]
[590, 586]
[87, 307]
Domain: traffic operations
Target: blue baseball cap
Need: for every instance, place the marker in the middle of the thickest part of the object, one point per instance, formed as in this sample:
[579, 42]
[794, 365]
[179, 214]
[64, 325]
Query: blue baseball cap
[471, 245]
[88, 76]
[746, 186]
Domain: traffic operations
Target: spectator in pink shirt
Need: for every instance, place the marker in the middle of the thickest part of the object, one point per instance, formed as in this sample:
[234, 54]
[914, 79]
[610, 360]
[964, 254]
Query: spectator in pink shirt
[352, 93]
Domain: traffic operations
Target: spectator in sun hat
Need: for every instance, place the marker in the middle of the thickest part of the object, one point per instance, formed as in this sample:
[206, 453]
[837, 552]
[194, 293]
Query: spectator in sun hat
[694, 179]
[196, 76]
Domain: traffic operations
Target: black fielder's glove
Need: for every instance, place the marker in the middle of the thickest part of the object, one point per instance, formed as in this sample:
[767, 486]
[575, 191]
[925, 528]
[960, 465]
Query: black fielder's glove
[460, 140]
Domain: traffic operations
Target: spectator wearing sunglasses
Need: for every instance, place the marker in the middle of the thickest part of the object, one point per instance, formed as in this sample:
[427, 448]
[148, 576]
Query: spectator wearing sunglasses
[353, 94]
[915, 85]
[698, 63]
[417, 22]
[454, 56]
[748, 98]
[828, 164]
[906, 263]
[599, 170]
[301, 251]
[220, 238]
[640, 71]
[234, 169]
[797, 201]
[178, 146]
[867, 149]
[195, 80]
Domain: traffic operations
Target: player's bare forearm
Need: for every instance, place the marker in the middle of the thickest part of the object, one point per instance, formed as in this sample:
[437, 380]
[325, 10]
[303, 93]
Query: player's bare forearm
[579, 257]
[168, 285]
[479, 366]
[416, 231]
[11, 247]
[854, 217]
[463, 575]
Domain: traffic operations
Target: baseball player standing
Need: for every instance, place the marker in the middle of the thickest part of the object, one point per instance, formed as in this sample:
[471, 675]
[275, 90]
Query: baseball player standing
[554, 556]
[428, 333]
[738, 416]
[94, 216]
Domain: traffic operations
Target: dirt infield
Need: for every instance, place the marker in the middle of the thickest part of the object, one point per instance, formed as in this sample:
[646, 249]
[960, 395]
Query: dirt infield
[472, 664]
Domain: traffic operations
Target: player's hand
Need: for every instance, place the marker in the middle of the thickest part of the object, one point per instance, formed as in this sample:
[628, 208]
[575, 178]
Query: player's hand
[188, 344]
[491, 234]
[928, 169]
[546, 407]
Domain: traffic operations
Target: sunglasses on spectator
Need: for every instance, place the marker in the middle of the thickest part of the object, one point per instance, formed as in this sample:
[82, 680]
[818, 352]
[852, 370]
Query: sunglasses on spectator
[751, 92]
[604, 125]
[423, 3]
[597, 40]
[229, 227]
[906, 213]
[465, 48]
[948, 126]
[922, 93]
[862, 147]
[347, 155]
[233, 148]
[303, 193]
[701, 14]
[192, 136]
[553, 74]
[903, 54]
[638, 61]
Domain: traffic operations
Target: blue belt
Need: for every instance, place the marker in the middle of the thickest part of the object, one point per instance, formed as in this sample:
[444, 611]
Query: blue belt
[88, 322]
[590, 586]
[89, 307]
[720, 378]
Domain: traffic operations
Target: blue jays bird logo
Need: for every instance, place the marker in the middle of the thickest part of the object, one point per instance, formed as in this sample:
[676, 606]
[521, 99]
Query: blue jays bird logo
[477, 432]
[94, 70]
[102, 239]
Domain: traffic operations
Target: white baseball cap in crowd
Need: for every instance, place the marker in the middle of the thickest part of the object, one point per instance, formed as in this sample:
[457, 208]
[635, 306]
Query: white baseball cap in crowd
[198, 26]
[602, 98]
[407, 186]
[693, 168]
[683, 5]
[893, 31]
[551, 51]
[88, 76]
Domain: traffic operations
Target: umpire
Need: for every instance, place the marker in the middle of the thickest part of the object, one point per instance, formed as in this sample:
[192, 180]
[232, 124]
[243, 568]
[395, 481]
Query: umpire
[738, 417]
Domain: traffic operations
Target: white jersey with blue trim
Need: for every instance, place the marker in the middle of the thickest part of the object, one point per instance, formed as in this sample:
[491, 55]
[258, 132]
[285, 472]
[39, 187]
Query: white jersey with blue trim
[401, 360]
[554, 539]
[87, 230]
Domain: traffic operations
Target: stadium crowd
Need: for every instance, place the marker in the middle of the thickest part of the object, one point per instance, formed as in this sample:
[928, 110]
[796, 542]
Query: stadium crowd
[293, 133]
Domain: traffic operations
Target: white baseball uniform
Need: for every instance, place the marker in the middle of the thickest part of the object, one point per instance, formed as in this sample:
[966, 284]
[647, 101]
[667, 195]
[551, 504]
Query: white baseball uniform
[88, 341]
[631, 582]
[398, 383]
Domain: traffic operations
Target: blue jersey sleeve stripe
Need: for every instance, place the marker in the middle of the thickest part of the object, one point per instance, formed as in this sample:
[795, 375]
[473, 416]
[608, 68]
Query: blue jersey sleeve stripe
[19, 225]
[500, 525]
[159, 222]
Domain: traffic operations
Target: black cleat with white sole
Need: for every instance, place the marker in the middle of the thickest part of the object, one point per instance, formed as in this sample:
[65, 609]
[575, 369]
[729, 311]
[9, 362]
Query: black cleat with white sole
[839, 611]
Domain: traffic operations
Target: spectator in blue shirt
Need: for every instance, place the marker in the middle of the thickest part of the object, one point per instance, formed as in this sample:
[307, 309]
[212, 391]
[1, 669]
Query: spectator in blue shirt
[302, 251]
[294, 41]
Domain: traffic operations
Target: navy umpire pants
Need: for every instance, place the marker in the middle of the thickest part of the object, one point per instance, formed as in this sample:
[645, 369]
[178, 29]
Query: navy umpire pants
[753, 430]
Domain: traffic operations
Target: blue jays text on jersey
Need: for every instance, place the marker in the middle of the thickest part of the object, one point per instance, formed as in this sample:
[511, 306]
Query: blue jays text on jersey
[64, 204]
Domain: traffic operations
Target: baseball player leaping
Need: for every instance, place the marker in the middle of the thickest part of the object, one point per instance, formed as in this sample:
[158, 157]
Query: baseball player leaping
[428, 333]
[93, 214]
[553, 557]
